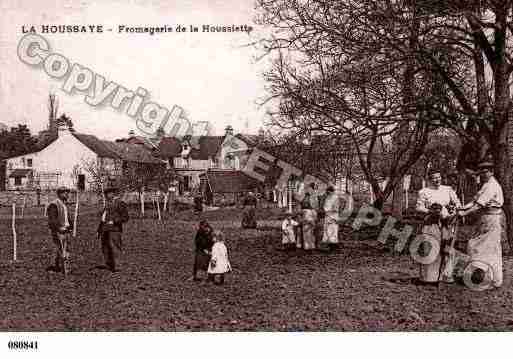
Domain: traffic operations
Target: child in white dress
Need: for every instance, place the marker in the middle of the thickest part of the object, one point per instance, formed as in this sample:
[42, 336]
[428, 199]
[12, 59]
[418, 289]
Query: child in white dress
[219, 262]
[288, 232]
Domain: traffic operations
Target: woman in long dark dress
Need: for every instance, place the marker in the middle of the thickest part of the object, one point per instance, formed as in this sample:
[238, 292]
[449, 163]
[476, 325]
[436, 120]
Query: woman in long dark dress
[203, 243]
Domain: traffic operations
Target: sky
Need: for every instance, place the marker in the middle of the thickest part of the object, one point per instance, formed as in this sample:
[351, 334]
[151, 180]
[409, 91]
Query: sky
[212, 76]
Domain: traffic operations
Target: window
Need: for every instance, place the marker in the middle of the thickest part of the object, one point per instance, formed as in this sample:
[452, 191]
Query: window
[29, 162]
[17, 181]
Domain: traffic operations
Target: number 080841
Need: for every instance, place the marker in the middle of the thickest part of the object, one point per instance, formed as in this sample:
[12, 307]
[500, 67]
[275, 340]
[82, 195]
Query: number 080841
[22, 345]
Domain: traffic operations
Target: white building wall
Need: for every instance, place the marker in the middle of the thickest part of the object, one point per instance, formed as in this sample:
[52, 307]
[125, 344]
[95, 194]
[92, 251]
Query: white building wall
[237, 148]
[201, 164]
[189, 163]
[61, 156]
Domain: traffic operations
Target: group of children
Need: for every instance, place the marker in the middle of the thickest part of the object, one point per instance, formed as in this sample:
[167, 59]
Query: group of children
[288, 228]
[300, 232]
[211, 254]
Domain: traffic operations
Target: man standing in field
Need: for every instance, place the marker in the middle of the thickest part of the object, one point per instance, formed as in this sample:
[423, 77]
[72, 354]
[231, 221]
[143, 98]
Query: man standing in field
[59, 224]
[114, 215]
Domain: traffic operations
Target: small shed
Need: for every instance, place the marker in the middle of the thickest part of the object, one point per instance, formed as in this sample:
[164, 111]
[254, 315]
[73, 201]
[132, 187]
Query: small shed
[226, 187]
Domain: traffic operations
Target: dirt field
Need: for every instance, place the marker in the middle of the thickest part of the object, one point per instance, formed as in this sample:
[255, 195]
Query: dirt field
[268, 290]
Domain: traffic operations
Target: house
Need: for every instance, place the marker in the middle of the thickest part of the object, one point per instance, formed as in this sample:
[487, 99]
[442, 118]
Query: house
[192, 156]
[67, 161]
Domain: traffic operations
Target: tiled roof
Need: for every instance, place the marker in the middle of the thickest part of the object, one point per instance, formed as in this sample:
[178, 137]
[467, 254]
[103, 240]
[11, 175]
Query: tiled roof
[208, 147]
[117, 150]
[139, 140]
[169, 147]
[96, 145]
[132, 153]
[230, 181]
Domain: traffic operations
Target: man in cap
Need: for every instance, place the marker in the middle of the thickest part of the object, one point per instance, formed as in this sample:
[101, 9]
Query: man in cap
[59, 224]
[484, 248]
[113, 216]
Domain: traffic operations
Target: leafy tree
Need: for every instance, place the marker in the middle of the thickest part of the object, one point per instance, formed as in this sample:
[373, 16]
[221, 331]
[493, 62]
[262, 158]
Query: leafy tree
[17, 141]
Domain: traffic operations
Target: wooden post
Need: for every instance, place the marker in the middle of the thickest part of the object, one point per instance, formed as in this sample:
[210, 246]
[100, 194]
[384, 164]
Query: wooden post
[14, 239]
[141, 197]
[23, 205]
[406, 188]
[75, 219]
[166, 198]
[289, 199]
[349, 190]
[463, 203]
[103, 195]
[47, 202]
[158, 206]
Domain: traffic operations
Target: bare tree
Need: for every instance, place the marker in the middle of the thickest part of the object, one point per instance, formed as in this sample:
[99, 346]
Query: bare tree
[142, 177]
[99, 175]
[333, 73]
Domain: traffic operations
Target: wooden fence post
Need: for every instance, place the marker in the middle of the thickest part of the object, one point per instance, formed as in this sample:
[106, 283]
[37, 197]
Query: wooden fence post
[14, 239]
[75, 219]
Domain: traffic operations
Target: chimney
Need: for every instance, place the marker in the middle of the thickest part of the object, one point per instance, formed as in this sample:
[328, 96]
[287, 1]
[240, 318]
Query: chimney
[228, 131]
[131, 133]
[63, 130]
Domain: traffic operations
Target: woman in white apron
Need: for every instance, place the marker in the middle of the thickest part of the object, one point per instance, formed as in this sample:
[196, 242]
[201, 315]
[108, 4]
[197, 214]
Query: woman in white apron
[484, 248]
[435, 226]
